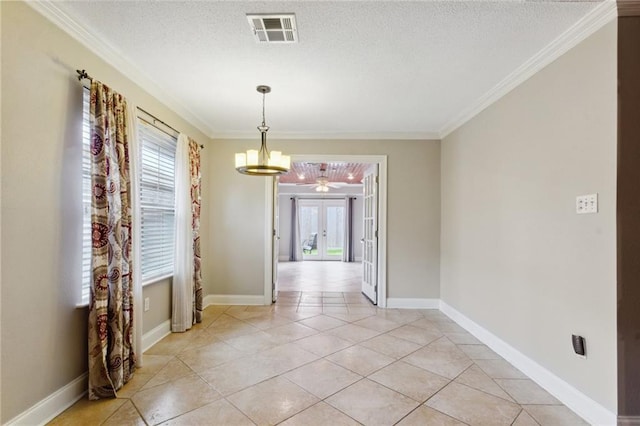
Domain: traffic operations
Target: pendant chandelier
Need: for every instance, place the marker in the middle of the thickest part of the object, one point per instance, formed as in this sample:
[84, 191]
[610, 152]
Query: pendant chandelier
[262, 162]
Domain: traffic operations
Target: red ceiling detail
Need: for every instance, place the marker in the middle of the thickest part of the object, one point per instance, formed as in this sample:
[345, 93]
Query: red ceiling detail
[336, 172]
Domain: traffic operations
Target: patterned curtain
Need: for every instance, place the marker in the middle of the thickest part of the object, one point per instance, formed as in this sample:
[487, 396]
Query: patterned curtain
[194, 169]
[111, 356]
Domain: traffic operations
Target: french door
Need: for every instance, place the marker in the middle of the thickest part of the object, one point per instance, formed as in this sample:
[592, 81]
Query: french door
[275, 242]
[370, 239]
[322, 229]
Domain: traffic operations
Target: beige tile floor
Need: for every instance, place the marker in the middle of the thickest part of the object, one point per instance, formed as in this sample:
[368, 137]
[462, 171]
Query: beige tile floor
[323, 355]
[323, 358]
[330, 276]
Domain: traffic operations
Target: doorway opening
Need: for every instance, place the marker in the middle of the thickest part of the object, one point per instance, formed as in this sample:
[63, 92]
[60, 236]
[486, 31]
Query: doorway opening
[327, 235]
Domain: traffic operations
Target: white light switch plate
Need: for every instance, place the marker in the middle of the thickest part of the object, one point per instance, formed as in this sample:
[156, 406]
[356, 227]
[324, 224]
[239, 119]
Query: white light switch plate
[146, 304]
[587, 204]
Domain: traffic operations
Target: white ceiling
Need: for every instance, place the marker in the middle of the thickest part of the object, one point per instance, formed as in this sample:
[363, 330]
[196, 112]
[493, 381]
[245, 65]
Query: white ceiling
[362, 69]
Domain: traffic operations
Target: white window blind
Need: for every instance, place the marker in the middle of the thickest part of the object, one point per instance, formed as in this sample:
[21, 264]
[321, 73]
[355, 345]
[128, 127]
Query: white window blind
[157, 183]
[158, 151]
[86, 199]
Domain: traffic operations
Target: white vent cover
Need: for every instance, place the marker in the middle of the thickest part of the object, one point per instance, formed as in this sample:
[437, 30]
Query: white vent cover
[274, 28]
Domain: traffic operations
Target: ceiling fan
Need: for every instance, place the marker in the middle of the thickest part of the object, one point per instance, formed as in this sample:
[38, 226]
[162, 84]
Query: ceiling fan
[322, 183]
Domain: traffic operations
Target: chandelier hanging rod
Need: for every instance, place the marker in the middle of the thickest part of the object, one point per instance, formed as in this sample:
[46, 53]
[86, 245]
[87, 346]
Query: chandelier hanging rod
[262, 162]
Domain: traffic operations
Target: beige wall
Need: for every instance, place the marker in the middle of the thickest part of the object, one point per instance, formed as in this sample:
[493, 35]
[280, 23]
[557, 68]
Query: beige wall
[159, 295]
[43, 333]
[516, 258]
[413, 228]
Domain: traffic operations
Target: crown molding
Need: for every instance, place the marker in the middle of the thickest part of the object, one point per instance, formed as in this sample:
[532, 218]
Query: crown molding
[590, 23]
[115, 58]
[628, 7]
[597, 18]
[331, 135]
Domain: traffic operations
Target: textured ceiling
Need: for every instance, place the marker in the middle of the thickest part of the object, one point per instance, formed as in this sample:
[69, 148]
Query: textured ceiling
[361, 69]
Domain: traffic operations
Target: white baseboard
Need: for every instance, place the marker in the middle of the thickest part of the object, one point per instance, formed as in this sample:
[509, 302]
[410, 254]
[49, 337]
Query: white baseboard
[156, 334]
[51, 406]
[408, 303]
[232, 299]
[584, 406]
[358, 258]
[47, 409]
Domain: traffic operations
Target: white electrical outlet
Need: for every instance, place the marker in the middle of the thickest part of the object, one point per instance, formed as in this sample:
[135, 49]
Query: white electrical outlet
[146, 304]
[587, 204]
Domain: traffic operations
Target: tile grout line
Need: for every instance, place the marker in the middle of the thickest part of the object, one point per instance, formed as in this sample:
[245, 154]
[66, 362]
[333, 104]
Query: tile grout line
[266, 314]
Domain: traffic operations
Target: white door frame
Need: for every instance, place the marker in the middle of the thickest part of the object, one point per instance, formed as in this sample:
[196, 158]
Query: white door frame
[268, 240]
[275, 240]
[382, 218]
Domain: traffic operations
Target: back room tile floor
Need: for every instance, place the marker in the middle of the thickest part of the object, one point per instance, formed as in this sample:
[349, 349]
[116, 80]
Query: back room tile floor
[320, 276]
[323, 358]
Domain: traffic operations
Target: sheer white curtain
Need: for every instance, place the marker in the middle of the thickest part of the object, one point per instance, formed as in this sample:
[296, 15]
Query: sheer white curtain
[134, 166]
[182, 311]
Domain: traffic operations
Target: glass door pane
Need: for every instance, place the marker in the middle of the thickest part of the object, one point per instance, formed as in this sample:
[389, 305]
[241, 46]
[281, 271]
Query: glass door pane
[322, 229]
[309, 229]
[334, 222]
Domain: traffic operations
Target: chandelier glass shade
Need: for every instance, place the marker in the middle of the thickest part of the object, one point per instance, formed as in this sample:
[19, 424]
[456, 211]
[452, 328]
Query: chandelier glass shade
[262, 162]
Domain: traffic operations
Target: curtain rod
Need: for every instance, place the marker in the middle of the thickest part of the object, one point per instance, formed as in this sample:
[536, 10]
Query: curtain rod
[157, 120]
[82, 75]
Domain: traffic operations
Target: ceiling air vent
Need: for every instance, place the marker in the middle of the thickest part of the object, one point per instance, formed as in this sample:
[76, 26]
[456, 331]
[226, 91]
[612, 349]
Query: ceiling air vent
[274, 28]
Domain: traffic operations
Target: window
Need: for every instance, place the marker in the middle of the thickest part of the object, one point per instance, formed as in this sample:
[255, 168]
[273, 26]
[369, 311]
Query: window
[86, 199]
[157, 176]
[157, 156]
